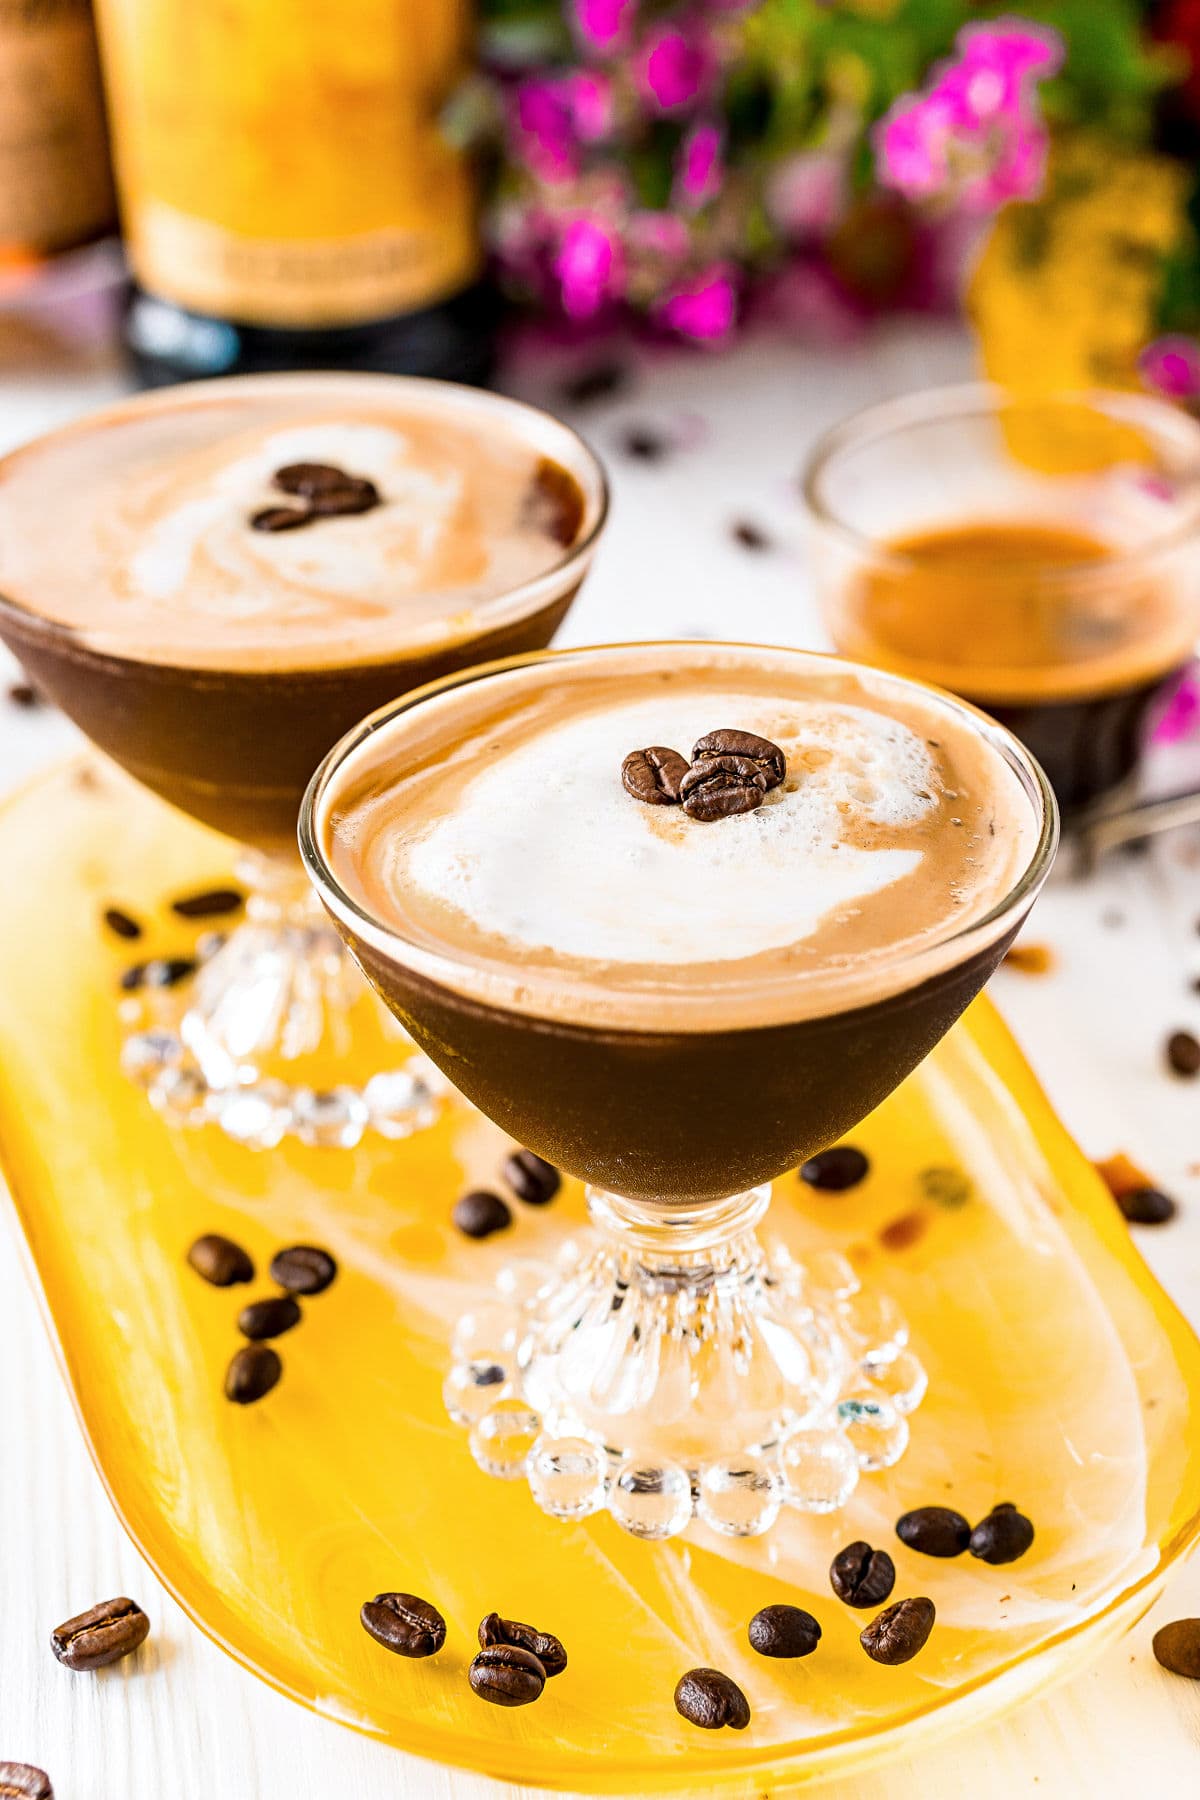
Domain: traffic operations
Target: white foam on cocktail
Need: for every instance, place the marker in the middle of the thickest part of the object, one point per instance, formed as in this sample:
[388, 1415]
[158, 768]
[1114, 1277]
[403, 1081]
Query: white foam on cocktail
[547, 851]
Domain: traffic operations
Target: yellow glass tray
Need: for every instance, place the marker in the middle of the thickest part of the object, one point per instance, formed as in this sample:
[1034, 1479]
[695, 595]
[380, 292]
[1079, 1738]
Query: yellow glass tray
[1060, 1377]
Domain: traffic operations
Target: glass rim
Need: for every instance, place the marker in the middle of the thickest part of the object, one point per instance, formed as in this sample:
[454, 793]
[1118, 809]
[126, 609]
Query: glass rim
[960, 400]
[444, 965]
[492, 613]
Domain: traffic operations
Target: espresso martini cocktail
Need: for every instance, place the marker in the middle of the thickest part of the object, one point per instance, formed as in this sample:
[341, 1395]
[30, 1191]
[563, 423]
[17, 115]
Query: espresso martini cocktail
[677, 917]
[215, 583]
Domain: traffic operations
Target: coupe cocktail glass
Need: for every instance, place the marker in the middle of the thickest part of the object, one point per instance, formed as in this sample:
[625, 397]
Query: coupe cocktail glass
[676, 1364]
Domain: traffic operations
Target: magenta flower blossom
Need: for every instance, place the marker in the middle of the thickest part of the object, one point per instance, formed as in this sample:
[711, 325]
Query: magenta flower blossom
[1180, 718]
[543, 128]
[589, 95]
[589, 267]
[704, 309]
[677, 67]
[1171, 366]
[698, 167]
[662, 235]
[976, 133]
[806, 195]
[603, 24]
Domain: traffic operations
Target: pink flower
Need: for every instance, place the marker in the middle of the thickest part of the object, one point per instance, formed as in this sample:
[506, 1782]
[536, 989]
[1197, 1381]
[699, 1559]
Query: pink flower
[704, 309]
[1171, 366]
[1181, 716]
[589, 96]
[677, 67]
[975, 133]
[589, 267]
[659, 234]
[603, 24]
[544, 130]
[806, 194]
[698, 167]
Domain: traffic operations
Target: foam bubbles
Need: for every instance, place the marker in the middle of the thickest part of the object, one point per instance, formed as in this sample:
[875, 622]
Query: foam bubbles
[546, 850]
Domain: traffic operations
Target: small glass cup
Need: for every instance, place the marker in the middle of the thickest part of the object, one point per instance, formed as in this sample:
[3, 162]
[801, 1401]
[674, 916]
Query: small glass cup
[1039, 557]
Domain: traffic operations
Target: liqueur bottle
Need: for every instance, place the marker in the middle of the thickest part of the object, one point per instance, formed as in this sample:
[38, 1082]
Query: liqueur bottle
[289, 197]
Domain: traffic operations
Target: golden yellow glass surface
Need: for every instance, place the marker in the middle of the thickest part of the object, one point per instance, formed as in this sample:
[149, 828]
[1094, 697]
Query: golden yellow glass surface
[1060, 1378]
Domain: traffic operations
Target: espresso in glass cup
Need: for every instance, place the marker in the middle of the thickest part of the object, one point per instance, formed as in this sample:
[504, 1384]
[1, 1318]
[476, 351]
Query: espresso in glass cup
[1040, 557]
[215, 583]
[677, 1001]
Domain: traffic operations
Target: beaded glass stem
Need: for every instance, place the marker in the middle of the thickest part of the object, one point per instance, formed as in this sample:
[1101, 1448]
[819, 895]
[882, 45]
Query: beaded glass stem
[258, 1039]
[672, 1366]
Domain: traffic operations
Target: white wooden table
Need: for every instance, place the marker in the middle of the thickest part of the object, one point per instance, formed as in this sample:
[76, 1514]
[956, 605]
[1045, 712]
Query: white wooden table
[185, 1723]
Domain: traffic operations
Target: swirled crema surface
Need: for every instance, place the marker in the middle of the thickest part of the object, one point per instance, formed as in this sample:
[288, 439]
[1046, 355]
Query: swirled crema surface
[132, 528]
[489, 828]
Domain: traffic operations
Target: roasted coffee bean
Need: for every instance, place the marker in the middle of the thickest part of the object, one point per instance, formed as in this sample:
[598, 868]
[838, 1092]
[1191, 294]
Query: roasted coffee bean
[1177, 1647]
[553, 504]
[268, 1318]
[784, 1631]
[897, 1634]
[1003, 1536]
[760, 751]
[481, 1213]
[102, 1635]
[353, 495]
[861, 1576]
[542, 1644]
[168, 971]
[280, 518]
[934, 1531]
[644, 444]
[220, 1261]
[303, 1269]
[24, 695]
[531, 1178]
[121, 924]
[21, 1781]
[598, 382]
[212, 903]
[1183, 1053]
[749, 535]
[945, 1186]
[835, 1170]
[653, 775]
[308, 478]
[404, 1623]
[720, 787]
[707, 1698]
[253, 1372]
[1147, 1206]
[507, 1675]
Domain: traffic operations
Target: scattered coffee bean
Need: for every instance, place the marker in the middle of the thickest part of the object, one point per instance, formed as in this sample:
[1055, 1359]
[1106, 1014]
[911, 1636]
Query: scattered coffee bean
[507, 1675]
[268, 1318]
[480, 1213]
[767, 757]
[934, 1531]
[212, 903]
[404, 1623]
[308, 478]
[721, 787]
[542, 1644]
[750, 536]
[168, 971]
[279, 518]
[1183, 1053]
[133, 977]
[654, 775]
[553, 504]
[121, 924]
[1177, 1647]
[784, 1631]
[599, 382]
[531, 1177]
[353, 494]
[707, 1698]
[1003, 1536]
[899, 1632]
[21, 1781]
[101, 1635]
[946, 1187]
[24, 695]
[254, 1371]
[645, 445]
[902, 1233]
[303, 1269]
[861, 1576]
[220, 1261]
[1147, 1206]
[835, 1170]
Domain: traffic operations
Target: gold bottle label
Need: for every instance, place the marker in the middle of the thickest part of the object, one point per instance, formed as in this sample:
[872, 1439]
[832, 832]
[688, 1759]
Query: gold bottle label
[55, 183]
[281, 163]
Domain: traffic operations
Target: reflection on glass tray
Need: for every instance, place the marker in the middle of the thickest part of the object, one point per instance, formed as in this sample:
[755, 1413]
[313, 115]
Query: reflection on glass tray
[1060, 1378]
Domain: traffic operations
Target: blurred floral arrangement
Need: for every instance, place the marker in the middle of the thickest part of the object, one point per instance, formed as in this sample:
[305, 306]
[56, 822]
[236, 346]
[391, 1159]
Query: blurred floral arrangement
[700, 163]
